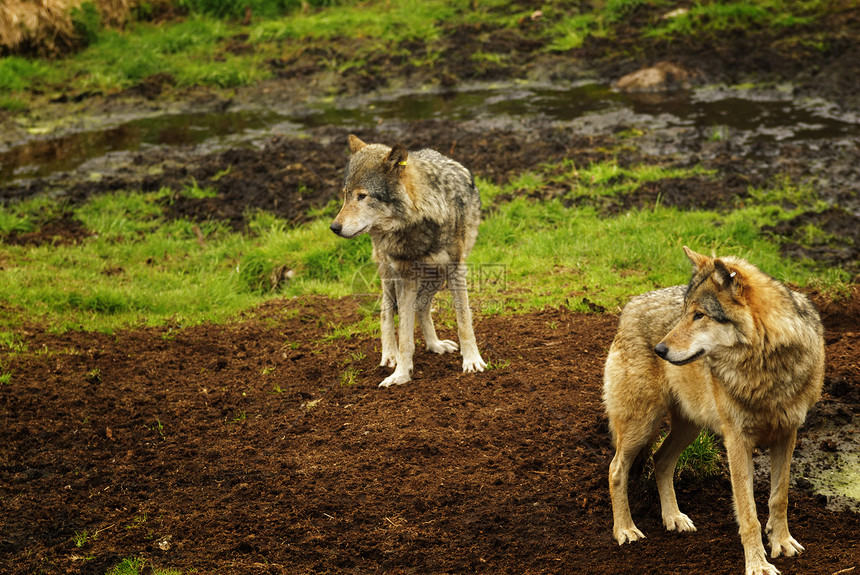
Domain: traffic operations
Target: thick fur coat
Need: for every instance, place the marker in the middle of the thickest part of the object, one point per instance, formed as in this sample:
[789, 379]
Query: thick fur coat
[736, 352]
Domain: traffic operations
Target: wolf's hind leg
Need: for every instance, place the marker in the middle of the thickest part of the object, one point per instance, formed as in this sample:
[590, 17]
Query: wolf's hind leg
[781, 541]
[472, 360]
[681, 434]
[630, 438]
[424, 304]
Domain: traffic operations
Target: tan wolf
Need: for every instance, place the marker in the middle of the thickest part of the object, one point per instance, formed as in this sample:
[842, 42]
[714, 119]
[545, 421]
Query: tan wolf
[735, 351]
[422, 212]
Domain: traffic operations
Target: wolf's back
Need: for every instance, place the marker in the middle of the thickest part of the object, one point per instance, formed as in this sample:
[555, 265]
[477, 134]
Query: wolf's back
[446, 177]
[647, 318]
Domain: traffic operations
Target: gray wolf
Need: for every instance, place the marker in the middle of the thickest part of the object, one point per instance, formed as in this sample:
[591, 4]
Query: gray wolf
[422, 212]
[734, 351]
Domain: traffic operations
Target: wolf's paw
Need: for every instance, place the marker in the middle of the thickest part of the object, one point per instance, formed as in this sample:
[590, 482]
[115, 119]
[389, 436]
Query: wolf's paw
[762, 568]
[395, 379]
[679, 522]
[627, 534]
[442, 346]
[388, 360]
[787, 546]
[474, 364]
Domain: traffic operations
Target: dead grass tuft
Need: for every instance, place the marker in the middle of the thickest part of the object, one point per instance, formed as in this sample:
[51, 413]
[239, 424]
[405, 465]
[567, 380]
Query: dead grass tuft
[46, 27]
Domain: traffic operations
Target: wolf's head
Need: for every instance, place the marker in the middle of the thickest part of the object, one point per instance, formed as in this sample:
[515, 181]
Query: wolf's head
[373, 191]
[716, 313]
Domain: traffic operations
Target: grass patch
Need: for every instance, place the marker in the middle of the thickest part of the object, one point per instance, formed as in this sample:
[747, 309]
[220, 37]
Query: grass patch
[699, 460]
[195, 50]
[139, 566]
[717, 17]
[11, 342]
[27, 216]
[140, 269]
[18, 74]
[572, 30]
[188, 51]
[551, 254]
[198, 48]
[389, 23]
[259, 8]
[597, 179]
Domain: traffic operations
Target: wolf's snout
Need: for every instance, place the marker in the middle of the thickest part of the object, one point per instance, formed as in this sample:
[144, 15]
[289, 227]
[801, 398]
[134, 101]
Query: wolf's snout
[336, 227]
[661, 349]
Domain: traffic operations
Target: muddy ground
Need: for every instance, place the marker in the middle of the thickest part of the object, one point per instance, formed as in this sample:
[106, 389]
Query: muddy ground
[264, 446]
[249, 448]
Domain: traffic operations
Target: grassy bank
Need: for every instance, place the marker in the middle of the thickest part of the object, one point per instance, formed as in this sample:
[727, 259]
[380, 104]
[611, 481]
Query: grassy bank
[206, 43]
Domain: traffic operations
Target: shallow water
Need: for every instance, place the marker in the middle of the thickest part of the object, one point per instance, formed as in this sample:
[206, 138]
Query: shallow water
[744, 116]
[44, 156]
[772, 115]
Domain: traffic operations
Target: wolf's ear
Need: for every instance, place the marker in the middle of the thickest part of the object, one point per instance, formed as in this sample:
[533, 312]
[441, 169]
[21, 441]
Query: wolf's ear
[355, 144]
[396, 160]
[726, 277]
[698, 260]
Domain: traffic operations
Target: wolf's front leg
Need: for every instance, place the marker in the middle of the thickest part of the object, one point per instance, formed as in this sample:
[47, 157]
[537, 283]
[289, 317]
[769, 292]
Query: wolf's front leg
[406, 294]
[472, 360]
[739, 451]
[389, 338]
[781, 541]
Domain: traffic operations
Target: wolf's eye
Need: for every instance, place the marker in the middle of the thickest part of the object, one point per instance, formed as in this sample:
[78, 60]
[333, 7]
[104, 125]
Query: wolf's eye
[698, 315]
[360, 197]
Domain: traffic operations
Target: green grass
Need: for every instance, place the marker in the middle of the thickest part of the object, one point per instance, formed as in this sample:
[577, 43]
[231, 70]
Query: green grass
[571, 30]
[388, 23]
[139, 566]
[20, 74]
[139, 269]
[717, 17]
[555, 255]
[81, 538]
[236, 8]
[701, 459]
[599, 179]
[193, 50]
[345, 34]
[189, 51]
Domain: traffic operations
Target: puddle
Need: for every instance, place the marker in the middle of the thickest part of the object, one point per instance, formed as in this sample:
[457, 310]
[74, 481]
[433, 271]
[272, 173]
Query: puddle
[774, 117]
[45, 156]
[719, 114]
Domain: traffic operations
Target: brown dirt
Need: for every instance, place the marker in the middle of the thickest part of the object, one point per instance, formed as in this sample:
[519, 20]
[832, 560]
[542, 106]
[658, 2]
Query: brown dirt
[241, 449]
